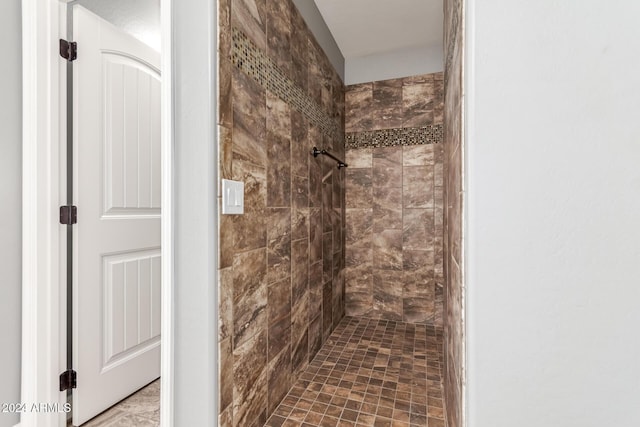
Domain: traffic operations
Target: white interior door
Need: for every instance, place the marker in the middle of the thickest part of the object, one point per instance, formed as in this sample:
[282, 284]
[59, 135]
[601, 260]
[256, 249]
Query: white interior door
[116, 251]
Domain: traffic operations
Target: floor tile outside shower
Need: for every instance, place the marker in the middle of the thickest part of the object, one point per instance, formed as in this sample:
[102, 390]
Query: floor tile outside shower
[370, 373]
[141, 409]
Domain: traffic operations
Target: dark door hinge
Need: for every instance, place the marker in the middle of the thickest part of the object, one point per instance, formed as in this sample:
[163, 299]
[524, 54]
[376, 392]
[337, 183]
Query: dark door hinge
[68, 215]
[68, 380]
[68, 50]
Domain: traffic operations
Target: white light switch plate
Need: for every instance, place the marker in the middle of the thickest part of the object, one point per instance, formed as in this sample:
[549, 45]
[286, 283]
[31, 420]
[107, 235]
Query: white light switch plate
[232, 197]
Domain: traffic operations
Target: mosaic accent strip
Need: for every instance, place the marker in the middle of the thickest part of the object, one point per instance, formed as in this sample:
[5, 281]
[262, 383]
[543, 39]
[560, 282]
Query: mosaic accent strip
[431, 134]
[256, 64]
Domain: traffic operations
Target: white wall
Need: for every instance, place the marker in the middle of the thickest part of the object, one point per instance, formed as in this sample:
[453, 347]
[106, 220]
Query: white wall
[319, 29]
[195, 216]
[393, 65]
[10, 205]
[553, 249]
[140, 18]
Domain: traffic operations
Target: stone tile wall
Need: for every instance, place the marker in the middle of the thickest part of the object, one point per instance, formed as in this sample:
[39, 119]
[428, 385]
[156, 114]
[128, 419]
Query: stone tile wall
[394, 200]
[281, 281]
[453, 259]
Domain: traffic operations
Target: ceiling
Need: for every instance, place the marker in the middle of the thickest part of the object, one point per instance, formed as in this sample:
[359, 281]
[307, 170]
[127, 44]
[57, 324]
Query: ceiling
[371, 27]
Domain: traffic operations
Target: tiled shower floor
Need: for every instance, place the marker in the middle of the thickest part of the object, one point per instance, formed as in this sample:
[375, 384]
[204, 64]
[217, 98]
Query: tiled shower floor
[370, 373]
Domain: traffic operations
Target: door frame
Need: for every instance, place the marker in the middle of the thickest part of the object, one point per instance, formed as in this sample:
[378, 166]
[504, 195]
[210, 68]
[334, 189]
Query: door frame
[43, 352]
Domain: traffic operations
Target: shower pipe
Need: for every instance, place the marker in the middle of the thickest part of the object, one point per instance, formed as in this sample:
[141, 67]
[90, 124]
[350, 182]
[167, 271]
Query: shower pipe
[316, 152]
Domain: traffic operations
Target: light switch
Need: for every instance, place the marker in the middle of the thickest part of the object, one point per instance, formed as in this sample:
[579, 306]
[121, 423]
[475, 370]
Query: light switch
[232, 197]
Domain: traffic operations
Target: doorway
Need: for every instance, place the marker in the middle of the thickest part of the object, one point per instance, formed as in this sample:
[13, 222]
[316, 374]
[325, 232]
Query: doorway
[114, 181]
[189, 250]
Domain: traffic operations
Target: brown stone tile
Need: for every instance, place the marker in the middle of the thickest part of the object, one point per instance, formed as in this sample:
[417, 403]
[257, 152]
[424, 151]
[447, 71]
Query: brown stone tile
[438, 195]
[361, 158]
[418, 309]
[298, 414]
[315, 78]
[279, 378]
[387, 250]
[358, 101]
[313, 418]
[328, 421]
[225, 151]
[315, 180]
[315, 235]
[436, 412]
[299, 270]
[250, 17]
[366, 419]
[387, 208]
[327, 257]
[418, 155]
[278, 244]
[279, 35]
[387, 111]
[438, 175]
[299, 223]
[315, 336]
[278, 170]
[417, 229]
[418, 273]
[275, 421]
[418, 187]
[278, 116]
[453, 182]
[359, 227]
[387, 167]
[300, 317]
[299, 45]
[300, 147]
[327, 205]
[225, 298]
[337, 228]
[224, 28]
[279, 336]
[327, 312]
[249, 295]
[382, 421]
[334, 411]
[300, 356]
[438, 311]
[300, 191]
[387, 294]
[279, 300]
[417, 105]
[249, 119]
[249, 231]
[226, 238]
[315, 290]
[338, 189]
[250, 379]
[225, 95]
[226, 374]
[359, 295]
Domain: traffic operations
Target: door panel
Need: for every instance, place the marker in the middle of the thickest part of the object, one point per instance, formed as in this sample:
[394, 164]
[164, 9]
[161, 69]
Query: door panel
[116, 250]
[132, 140]
[131, 292]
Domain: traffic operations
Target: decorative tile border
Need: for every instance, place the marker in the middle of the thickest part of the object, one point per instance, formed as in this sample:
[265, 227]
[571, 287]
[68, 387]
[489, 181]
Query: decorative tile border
[431, 134]
[257, 65]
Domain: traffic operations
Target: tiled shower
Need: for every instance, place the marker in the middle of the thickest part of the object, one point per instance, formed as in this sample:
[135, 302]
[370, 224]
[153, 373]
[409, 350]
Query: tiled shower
[331, 282]
[394, 196]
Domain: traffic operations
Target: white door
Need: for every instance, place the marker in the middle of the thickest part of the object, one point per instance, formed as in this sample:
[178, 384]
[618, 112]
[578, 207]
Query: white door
[116, 244]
